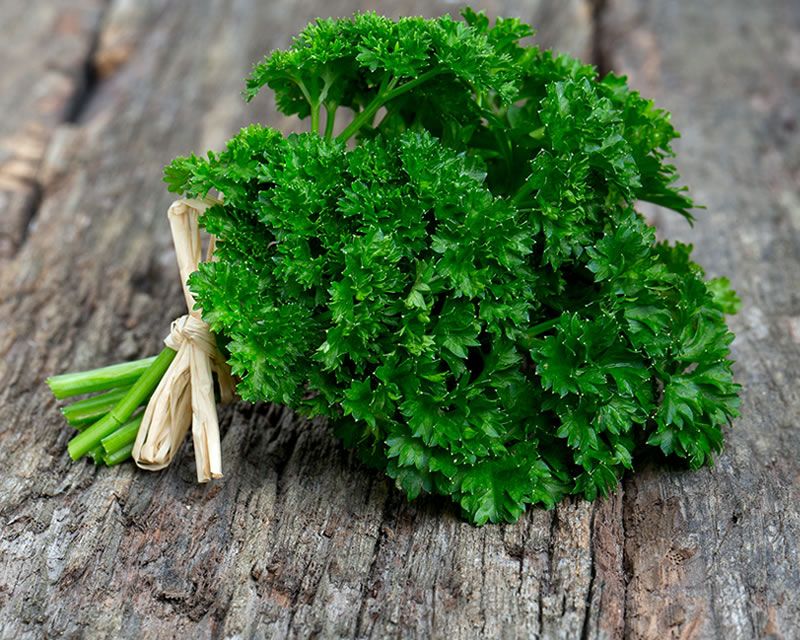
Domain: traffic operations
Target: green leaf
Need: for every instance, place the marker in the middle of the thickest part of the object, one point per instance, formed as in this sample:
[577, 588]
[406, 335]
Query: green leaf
[724, 296]
[460, 282]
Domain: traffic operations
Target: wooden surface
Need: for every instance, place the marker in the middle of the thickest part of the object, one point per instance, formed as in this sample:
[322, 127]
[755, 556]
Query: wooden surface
[298, 540]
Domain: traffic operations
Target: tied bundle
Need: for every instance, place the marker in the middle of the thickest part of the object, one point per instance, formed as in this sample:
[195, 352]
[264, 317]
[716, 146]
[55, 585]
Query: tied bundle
[455, 277]
[177, 385]
[185, 395]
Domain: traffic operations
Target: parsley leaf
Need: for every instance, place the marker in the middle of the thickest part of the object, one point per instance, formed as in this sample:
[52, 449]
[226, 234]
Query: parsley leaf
[462, 285]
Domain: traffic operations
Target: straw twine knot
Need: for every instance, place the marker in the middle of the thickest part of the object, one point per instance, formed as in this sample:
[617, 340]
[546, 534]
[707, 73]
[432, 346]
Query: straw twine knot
[191, 329]
[185, 395]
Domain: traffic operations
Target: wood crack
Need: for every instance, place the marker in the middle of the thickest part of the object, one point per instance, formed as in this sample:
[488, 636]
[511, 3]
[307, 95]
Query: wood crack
[587, 615]
[388, 508]
[627, 562]
[483, 588]
[598, 36]
[25, 176]
[544, 584]
[524, 544]
[90, 80]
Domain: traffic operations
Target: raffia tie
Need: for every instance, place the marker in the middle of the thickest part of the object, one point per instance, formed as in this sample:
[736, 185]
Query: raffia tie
[185, 395]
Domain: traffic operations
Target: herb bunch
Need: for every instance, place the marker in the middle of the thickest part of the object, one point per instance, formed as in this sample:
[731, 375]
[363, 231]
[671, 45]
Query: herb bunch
[459, 280]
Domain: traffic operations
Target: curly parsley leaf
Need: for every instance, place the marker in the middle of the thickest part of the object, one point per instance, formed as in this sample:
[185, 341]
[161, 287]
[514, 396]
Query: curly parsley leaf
[467, 294]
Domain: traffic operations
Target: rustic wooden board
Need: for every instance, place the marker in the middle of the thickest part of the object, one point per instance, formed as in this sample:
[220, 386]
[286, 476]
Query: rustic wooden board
[298, 540]
[715, 553]
[44, 47]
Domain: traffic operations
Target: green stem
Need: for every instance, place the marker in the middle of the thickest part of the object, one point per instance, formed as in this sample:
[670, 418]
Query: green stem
[96, 455]
[330, 121]
[123, 436]
[315, 118]
[117, 375]
[90, 410]
[87, 440]
[361, 119]
[120, 455]
[529, 339]
[523, 192]
[382, 98]
[540, 328]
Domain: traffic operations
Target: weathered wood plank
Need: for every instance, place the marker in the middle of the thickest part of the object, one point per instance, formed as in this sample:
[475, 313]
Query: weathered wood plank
[44, 50]
[297, 540]
[715, 553]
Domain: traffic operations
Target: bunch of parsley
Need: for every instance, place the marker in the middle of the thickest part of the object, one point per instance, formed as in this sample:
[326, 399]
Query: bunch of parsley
[459, 280]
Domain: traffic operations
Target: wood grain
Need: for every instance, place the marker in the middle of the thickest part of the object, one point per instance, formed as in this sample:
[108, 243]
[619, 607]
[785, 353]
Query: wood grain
[714, 554]
[298, 540]
[44, 47]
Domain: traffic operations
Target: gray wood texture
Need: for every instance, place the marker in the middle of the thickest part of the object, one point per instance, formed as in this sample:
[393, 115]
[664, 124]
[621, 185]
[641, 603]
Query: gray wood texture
[715, 553]
[298, 540]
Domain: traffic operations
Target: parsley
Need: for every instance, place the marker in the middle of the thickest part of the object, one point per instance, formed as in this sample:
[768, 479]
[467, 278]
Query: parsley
[459, 280]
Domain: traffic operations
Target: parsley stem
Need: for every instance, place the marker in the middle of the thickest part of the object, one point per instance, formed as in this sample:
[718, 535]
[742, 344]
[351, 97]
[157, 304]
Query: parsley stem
[530, 337]
[92, 409]
[361, 119]
[523, 191]
[96, 455]
[117, 375]
[381, 98]
[540, 328]
[315, 118]
[123, 436]
[330, 121]
[89, 439]
[120, 455]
